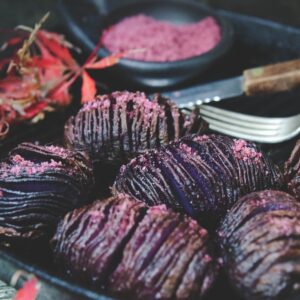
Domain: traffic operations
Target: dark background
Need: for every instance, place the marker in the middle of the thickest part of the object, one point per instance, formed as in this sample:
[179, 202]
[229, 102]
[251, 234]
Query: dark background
[27, 12]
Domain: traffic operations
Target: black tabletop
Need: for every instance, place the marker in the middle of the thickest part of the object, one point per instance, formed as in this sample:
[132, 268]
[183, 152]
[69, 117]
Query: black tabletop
[15, 12]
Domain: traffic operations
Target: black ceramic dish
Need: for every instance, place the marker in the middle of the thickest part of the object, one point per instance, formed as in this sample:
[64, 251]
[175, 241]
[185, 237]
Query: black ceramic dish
[78, 16]
[258, 42]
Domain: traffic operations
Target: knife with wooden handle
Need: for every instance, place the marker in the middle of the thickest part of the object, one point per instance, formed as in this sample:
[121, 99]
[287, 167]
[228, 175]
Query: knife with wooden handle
[261, 80]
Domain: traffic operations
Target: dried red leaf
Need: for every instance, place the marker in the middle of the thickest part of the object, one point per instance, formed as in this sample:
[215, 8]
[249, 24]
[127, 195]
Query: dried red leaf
[60, 93]
[50, 66]
[12, 38]
[43, 62]
[14, 41]
[105, 62]
[29, 291]
[56, 44]
[41, 72]
[14, 87]
[34, 109]
[93, 54]
[88, 88]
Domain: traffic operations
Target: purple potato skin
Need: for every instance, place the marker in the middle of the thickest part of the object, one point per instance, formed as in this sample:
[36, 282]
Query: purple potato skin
[292, 172]
[168, 257]
[88, 242]
[133, 251]
[116, 127]
[259, 241]
[202, 176]
[39, 185]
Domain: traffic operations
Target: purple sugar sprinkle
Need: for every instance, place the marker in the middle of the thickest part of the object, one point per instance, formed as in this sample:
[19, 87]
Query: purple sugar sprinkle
[100, 102]
[30, 167]
[207, 258]
[57, 150]
[140, 103]
[187, 149]
[201, 138]
[161, 41]
[242, 151]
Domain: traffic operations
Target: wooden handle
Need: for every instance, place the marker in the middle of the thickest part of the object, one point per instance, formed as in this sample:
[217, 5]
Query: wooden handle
[273, 78]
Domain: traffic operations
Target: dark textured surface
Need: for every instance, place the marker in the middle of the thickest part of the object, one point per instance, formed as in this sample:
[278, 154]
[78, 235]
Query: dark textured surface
[27, 12]
[285, 11]
[202, 176]
[156, 254]
[259, 239]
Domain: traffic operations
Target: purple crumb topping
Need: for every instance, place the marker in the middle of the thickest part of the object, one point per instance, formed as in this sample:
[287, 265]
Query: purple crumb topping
[243, 152]
[201, 138]
[29, 167]
[58, 150]
[187, 149]
[141, 104]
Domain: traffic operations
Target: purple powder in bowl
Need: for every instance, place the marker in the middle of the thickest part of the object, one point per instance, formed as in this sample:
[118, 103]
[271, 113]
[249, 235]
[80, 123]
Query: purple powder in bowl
[161, 41]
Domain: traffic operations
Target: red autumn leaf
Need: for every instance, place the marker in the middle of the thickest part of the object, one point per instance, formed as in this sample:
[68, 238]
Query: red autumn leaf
[49, 69]
[29, 291]
[45, 53]
[12, 37]
[16, 88]
[34, 109]
[14, 41]
[88, 88]
[8, 48]
[41, 72]
[46, 58]
[60, 93]
[55, 44]
[42, 62]
[105, 62]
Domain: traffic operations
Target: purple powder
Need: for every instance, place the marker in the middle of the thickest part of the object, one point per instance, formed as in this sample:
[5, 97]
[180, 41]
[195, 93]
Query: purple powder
[161, 41]
[23, 165]
[242, 151]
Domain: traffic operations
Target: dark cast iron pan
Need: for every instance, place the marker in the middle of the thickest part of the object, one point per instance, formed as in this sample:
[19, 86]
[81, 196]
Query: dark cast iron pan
[86, 20]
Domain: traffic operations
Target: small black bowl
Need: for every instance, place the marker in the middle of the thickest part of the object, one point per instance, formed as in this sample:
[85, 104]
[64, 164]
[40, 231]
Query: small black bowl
[86, 22]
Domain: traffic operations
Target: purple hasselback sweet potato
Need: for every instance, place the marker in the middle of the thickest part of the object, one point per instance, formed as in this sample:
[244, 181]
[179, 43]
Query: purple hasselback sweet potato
[89, 241]
[202, 176]
[116, 127]
[133, 251]
[38, 185]
[260, 243]
[292, 172]
[168, 257]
